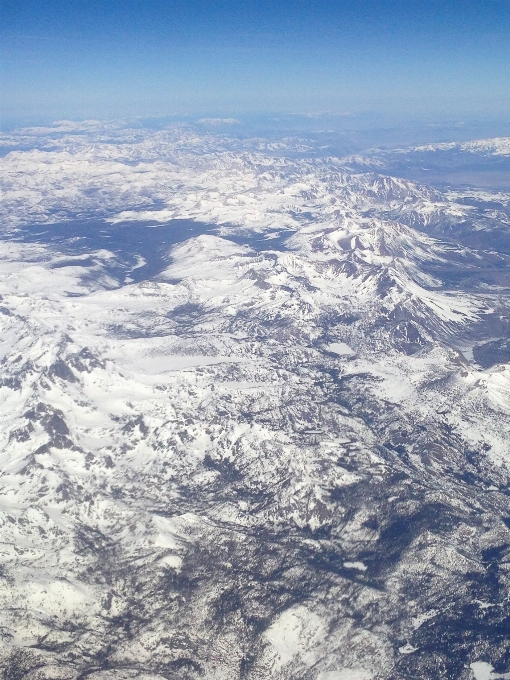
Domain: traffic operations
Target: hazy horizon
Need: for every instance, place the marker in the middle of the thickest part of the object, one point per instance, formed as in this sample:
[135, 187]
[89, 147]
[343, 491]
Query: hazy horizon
[409, 61]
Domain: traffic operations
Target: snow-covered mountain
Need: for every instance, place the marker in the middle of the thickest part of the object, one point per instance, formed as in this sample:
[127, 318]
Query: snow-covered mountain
[255, 415]
[498, 146]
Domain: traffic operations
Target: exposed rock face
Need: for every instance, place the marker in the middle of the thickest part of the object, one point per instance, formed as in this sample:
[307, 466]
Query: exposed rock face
[274, 450]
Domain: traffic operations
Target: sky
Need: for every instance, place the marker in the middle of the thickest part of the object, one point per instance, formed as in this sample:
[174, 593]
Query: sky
[116, 58]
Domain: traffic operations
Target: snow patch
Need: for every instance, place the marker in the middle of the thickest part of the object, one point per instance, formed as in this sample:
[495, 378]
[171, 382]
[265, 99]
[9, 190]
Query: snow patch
[407, 649]
[346, 674]
[419, 620]
[297, 631]
[355, 565]
[340, 348]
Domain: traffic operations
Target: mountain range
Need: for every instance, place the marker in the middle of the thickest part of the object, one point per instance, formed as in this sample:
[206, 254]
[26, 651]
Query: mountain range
[255, 415]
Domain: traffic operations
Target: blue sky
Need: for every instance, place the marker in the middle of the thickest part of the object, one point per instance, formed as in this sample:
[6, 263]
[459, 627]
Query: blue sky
[427, 60]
